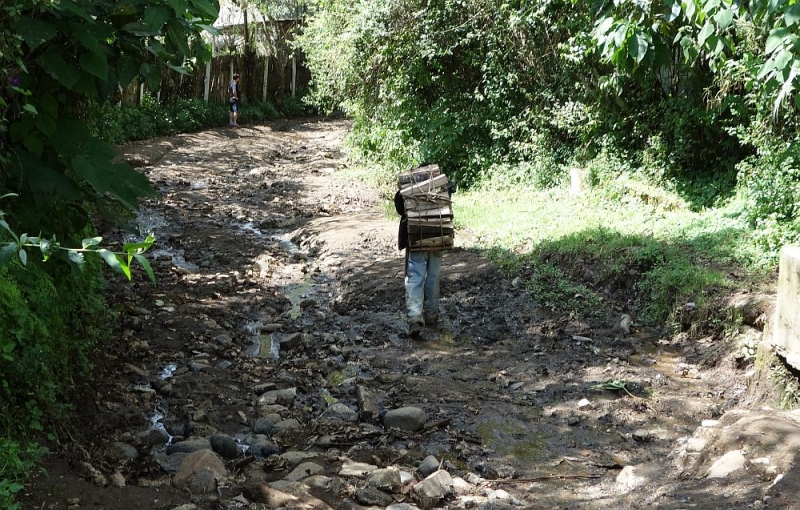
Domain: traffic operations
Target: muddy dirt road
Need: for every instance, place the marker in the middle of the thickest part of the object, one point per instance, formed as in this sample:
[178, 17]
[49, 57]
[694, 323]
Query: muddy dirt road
[269, 367]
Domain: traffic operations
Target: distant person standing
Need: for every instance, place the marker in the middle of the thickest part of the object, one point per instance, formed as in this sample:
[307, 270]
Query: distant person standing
[233, 100]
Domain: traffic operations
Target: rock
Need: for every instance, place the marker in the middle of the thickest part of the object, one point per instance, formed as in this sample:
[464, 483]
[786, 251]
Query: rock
[387, 479]
[262, 446]
[266, 424]
[318, 482]
[304, 470]
[117, 480]
[290, 424]
[339, 412]
[367, 404]
[428, 466]
[260, 389]
[225, 446]
[727, 464]
[294, 495]
[191, 445]
[405, 418]
[499, 471]
[199, 472]
[170, 463]
[625, 323]
[120, 452]
[573, 421]
[282, 397]
[641, 436]
[187, 506]
[153, 437]
[373, 497]
[402, 506]
[356, 469]
[293, 457]
[92, 474]
[709, 423]
[462, 487]
[695, 444]
[629, 478]
[223, 339]
[584, 405]
[434, 488]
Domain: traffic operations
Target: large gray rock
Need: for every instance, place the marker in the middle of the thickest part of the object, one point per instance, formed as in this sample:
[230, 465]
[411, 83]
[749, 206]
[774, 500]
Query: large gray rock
[373, 497]
[385, 479]
[200, 472]
[225, 445]
[405, 418]
[281, 397]
[303, 471]
[428, 466]
[339, 412]
[191, 445]
[266, 424]
[121, 452]
[727, 464]
[434, 489]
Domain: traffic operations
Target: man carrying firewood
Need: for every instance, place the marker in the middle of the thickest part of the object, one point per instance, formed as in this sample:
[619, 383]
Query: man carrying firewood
[426, 229]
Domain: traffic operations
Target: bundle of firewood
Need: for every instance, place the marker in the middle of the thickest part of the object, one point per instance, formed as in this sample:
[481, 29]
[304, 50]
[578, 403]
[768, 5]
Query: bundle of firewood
[428, 209]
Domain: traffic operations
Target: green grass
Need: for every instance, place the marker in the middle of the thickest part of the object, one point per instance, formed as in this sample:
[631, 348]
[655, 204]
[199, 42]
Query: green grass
[639, 242]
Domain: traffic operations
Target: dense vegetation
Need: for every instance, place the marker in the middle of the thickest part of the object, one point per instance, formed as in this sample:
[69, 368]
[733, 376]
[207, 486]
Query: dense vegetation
[60, 61]
[694, 96]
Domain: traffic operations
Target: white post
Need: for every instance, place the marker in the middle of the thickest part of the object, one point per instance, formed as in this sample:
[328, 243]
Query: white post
[266, 79]
[207, 85]
[141, 93]
[294, 75]
[230, 74]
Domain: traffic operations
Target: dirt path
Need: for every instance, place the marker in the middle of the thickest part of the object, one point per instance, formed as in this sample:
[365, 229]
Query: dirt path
[275, 339]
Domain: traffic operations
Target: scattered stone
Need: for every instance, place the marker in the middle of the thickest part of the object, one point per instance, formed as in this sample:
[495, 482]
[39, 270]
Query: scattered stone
[625, 323]
[584, 405]
[367, 404]
[262, 446]
[304, 470]
[339, 412]
[406, 477]
[282, 397]
[499, 471]
[356, 469]
[191, 445]
[462, 487]
[117, 480]
[290, 424]
[93, 474]
[405, 418]
[573, 421]
[223, 339]
[402, 506]
[629, 478]
[260, 389]
[695, 444]
[293, 495]
[318, 482]
[121, 452]
[266, 424]
[387, 479]
[170, 463]
[187, 506]
[641, 436]
[727, 464]
[374, 497]
[709, 423]
[434, 488]
[225, 446]
[428, 466]
[293, 457]
[200, 472]
[153, 437]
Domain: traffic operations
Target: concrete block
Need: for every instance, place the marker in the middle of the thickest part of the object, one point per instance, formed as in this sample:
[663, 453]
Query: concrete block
[786, 335]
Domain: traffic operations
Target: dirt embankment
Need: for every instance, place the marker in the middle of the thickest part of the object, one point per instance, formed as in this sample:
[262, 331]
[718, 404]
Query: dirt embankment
[269, 368]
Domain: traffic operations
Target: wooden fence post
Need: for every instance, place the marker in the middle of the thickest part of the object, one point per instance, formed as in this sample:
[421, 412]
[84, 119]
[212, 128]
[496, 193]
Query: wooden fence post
[207, 85]
[266, 79]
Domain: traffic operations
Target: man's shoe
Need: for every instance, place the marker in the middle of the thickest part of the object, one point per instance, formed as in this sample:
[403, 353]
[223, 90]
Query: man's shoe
[431, 320]
[415, 327]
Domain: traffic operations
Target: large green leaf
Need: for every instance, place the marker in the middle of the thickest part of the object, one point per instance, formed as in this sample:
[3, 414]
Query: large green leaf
[155, 16]
[127, 69]
[638, 45]
[63, 72]
[121, 181]
[211, 9]
[95, 63]
[35, 32]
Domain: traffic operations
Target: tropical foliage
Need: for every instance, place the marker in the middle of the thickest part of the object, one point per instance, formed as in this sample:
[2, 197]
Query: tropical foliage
[698, 96]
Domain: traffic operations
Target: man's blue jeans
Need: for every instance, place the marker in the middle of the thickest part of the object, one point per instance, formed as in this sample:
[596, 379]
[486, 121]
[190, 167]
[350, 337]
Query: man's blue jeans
[422, 284]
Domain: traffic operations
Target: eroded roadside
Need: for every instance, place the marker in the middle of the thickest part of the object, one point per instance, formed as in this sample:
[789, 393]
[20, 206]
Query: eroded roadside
[274, 339]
